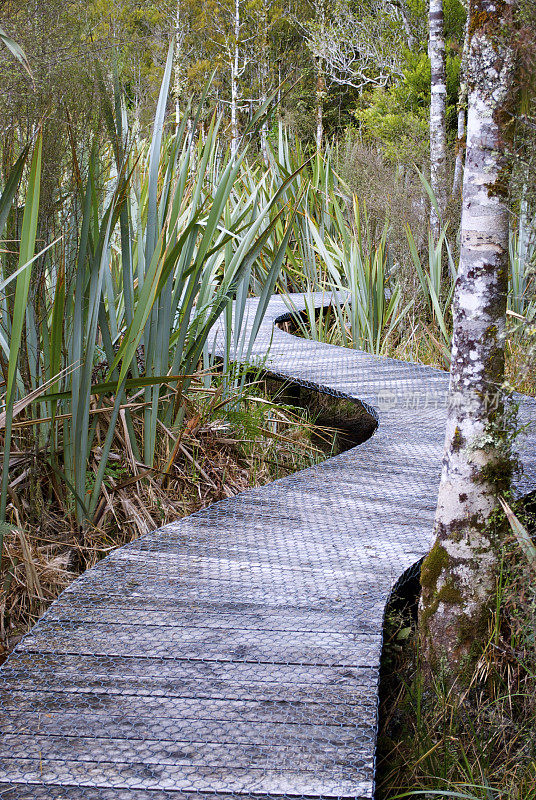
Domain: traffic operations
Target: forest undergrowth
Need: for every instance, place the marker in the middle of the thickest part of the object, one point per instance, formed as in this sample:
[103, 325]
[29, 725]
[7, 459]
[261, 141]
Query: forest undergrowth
[225, 447]
[477, 742]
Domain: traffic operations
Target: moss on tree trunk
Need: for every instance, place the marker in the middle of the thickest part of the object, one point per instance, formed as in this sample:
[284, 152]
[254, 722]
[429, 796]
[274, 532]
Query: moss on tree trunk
[458, 576]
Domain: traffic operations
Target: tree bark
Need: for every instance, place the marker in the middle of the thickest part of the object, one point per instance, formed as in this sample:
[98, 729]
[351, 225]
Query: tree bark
[438, 105]
[235, 67]
[458, 576]
[320, 14]
[264, 70]
[462, 113]
[320, 93]
[177, 65]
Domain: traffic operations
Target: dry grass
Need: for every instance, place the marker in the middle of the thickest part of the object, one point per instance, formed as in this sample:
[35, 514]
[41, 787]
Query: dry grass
[419, 346]
[521, 366]
[387, 192]
[219, 452]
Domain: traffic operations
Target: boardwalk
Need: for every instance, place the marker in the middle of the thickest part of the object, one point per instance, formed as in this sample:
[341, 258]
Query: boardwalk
[236, 652]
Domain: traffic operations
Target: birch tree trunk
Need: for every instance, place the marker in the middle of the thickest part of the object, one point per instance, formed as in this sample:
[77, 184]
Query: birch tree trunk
[320, 93]
[264, 70]
[438, 105]
[401, 7]
[320, 14]
[177, 64]
[458, 576]
[462, 113]
[235, 67]
[264, 136]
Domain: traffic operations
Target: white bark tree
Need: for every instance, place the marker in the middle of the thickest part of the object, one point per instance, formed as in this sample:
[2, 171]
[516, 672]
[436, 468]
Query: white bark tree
[316, 33]
[226, 27]
[238, 66]
[401, 9]
[438, 107]
[264, 69]
[355, 49]
[462, 115]
[360, 49]
[320, 97]
[458, 576]
[178, 62]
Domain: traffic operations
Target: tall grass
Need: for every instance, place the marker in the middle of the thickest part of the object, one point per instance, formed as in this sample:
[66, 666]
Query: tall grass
[14, 318]
[360, 270]
[117, 326]
[378, 304]
[437, 288]
[521, 299]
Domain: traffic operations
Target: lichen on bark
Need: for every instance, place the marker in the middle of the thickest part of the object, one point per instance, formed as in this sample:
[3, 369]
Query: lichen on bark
[438, 108]
[458, 577]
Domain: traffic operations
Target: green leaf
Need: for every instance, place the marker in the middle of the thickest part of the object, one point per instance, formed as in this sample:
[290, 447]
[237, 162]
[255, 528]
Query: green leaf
[17, 51]
[26, 252]
[522, 535]
[11, 187]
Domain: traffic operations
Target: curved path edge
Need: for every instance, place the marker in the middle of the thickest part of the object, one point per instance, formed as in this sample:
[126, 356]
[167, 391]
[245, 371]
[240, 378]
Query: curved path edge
[236, 651]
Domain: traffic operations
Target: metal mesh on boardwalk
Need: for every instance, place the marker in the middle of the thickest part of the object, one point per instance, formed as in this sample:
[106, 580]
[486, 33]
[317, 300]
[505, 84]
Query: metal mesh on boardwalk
[236, 652]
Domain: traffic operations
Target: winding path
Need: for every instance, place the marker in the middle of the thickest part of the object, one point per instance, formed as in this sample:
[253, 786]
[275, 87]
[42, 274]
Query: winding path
[236, 652]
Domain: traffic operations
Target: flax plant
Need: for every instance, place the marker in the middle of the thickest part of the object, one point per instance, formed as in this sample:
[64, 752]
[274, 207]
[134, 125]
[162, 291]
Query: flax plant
[171, 231]
[437, 286]
[521, 300]
[13, 318]
[359, 271]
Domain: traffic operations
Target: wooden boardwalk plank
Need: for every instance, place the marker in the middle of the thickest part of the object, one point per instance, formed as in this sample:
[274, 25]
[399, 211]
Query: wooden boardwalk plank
[24, 791]
[261, 619]
[235, 653]
[291, 757]
[219, 644]
[335, 783]
[136, 727]
[180, 708]
[187, 684]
